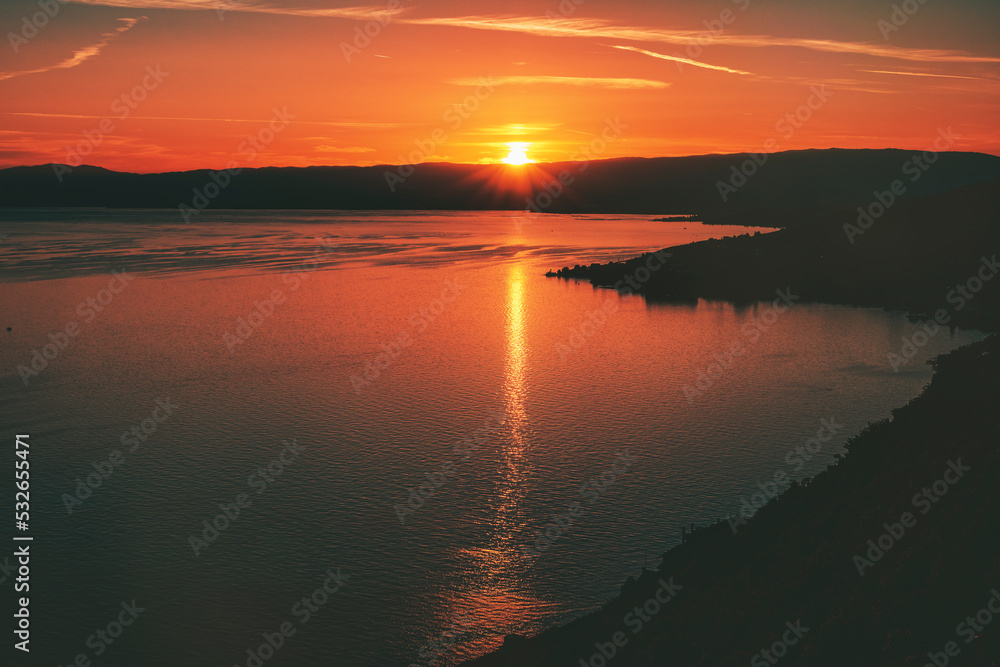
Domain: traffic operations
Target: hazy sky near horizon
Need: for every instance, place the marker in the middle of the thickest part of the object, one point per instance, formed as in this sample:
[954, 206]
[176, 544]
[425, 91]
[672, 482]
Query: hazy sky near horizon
[162, 85]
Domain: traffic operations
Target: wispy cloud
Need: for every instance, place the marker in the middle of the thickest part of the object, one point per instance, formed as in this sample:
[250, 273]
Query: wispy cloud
[943, 76]
[345, 124]
[678, 59]
[26, 146]
[79, 56]
[843, 84]
[585, 81]
[325, 148]
[365, 13]
[513, 129]
[573, 27]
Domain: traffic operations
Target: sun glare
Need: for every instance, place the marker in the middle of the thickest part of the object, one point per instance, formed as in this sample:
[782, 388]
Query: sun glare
[518, 153]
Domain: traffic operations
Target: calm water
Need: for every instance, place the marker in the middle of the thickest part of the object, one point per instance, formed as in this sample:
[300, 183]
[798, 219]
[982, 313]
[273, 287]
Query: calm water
[471, 330]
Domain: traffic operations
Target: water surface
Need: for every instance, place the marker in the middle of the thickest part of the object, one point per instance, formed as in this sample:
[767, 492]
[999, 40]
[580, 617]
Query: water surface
[454, 309]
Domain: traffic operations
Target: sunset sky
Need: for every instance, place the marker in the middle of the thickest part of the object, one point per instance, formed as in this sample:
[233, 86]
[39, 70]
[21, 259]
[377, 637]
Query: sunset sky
[684, 77]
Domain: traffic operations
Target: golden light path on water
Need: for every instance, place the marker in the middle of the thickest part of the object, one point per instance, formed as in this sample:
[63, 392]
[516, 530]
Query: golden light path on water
[514, 386]
[498, 595]
[513, 461]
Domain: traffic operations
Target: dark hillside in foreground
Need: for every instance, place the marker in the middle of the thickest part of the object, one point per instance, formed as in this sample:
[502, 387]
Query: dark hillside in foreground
[795, 559]
[913, 258]
[787, 182]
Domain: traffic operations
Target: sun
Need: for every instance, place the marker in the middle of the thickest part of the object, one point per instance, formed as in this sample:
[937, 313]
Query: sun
[518, 153]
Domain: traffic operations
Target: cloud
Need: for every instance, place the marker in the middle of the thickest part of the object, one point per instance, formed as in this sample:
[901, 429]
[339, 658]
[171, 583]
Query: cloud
[364, 13]
[29, 147]
[572, 27]
[323, 148]
[943, 76]
[844, 84]
[686, 61]
[514, 129]
[79, 56]
[585, 81]
[346, 124]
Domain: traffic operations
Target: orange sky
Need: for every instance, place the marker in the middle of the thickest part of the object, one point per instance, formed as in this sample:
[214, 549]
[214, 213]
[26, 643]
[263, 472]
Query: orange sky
[557, 73]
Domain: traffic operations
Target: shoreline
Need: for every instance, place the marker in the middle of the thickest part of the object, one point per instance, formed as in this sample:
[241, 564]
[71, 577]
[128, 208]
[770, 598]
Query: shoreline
[964, 375]
[805, 554]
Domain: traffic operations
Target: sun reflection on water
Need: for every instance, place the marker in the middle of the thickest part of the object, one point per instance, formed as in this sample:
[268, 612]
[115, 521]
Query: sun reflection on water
[497, 595]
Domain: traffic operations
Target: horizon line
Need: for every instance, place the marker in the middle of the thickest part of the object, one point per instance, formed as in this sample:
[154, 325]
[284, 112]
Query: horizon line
[487, 164]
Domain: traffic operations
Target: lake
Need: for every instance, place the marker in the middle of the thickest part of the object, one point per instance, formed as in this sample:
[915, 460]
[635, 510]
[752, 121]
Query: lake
[309, 438]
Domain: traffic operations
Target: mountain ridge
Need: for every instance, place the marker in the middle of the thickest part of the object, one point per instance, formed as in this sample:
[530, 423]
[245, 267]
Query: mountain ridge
[711, 186]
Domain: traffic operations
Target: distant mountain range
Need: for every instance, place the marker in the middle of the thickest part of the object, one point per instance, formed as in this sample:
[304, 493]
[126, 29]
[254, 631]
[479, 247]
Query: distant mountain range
[745, 188]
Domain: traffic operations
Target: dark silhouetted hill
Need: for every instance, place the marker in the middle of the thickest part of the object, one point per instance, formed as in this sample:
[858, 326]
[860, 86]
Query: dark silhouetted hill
[909, 259]
[786, 183]
[795, 560]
